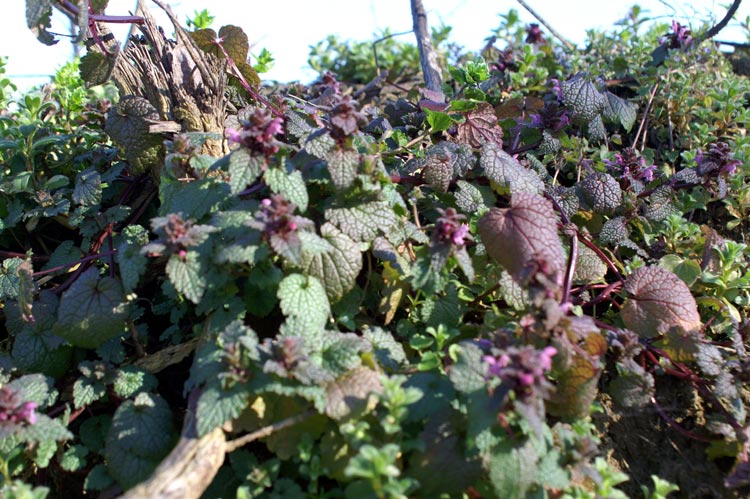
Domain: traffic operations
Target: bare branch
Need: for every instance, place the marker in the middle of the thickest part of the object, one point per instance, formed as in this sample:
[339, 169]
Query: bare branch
[432, 75]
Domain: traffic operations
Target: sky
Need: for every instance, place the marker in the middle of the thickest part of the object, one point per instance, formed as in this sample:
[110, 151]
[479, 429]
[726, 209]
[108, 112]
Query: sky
[288, 28]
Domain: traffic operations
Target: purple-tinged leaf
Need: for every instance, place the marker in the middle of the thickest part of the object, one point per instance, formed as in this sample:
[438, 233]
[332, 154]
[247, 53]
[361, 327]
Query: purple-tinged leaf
[38, 19]
[480, 127]
[352, 394]
[523, 234]
[505, 171]
[582, 97]
[620, 110]
[472, 198]
[576, 367]
[633, 386]
[658, 301]
[601, 192]
[363, 222]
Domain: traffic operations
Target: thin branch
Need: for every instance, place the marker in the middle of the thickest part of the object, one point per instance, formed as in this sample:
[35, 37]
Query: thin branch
[73, 264]
[723, 23]
[266, 431]
[427, 56]
[555, 33]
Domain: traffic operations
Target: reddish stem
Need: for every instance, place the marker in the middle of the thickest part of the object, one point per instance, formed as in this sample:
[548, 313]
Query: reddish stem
[674, 424]
[77, 262]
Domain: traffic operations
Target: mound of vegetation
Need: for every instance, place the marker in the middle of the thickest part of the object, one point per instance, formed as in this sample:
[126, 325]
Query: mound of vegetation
[518, 273]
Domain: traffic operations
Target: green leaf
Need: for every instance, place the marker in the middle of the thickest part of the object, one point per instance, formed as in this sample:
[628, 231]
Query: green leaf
[244, 169]
[193, 199]
[343, 165]
[620, 110]
[290, 185]
[337, 269]
[513, 469]
[131, 380]
[589, 267]
[43, 430]
[98, 478]
[92, 311]
[438, 121]
[472, 198]
[340, 352]
[88, 188]
[216, 406]
[363, 222]
[188, 275]
[633, 386]
[87, 391]
[601, 191]
[469, 372]
[141, 435]
[65, 254]
[131, 260]
[35, 388]
[9, 279]
[74, 458]
[505, 171]
[44, 452]
[304, 298]
[389, 352]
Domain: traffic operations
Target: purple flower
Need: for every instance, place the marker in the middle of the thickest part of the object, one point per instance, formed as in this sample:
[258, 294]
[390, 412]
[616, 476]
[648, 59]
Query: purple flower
[718, 160]
[450, 229]
[680, 37]
[534, 34]
[13, 410]
[522, 368]
[630, 165]
[258, 132]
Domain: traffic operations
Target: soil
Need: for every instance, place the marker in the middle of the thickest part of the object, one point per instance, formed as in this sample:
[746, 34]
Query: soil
[642, 443]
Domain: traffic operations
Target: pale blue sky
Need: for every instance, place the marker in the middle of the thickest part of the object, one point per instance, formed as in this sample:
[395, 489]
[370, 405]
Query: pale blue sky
[288, 28]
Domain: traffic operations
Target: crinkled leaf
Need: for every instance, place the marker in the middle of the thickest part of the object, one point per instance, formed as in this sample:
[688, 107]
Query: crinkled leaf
[595, 129]
[217, 406]
[44, 430]
[601, 192]
[389, 352]
[128, 123]
[614, 231]
[96, 68]
[576, 366]
[38, 19]
[92, 311]
[37, 353]
[88, 188]
[304, 298]
[438, 120]
[131, 260]
[363, 222]
[582, 97]
[9, 278]
[98, 478]
[248, 73]
[633, 386]
[342, 166]
[513, 469]
[87, 391]
[131, 380]
[35, 388]
[188, 275]
[140, 436]
[505, 171]
[337, 269]
[620, 110]
[26, 290]
[244, 169]
[659, 204]
[233, 39]
[74, 458]
[290, 185]
[438, 171]
[658, 301]
[472, 198]
[480, 127]
[469, 373]
[512, 292]
[65, 254]
[297, 124]
[340, 352]
[193, 199]
[589, 267]
[524, 233]
[352, 394]
[320, 143]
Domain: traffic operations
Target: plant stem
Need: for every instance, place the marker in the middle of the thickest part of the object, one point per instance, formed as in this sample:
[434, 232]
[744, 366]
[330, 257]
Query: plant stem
[266, 431]
[85, 259]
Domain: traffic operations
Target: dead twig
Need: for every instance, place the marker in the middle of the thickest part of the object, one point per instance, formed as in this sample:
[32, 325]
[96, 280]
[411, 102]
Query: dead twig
[432, 75]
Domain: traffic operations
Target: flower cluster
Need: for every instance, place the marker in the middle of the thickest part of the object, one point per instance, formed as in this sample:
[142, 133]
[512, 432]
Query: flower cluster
[258, 132]
[629, 165]
[551, 117]
[282, 356]
[679, 38]
[506, 60]
[534, 34]
[13, 410]
[177, 235]
[450, 229]
[522, 368]
[718, 160]
[276, 216]
[345, 118]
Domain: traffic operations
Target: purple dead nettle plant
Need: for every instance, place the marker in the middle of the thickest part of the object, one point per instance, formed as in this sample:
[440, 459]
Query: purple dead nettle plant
[717, 160]
[450, 229]
[13, 410]
[680, 37]
[534, 34]
[176, 236]
[630, 166]
[522, 368]
[259, 132]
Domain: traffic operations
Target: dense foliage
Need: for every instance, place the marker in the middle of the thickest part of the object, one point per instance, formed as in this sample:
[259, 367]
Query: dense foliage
[375, 293]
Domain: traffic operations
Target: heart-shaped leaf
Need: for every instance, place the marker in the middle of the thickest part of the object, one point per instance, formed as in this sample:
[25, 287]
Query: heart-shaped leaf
[657, 302]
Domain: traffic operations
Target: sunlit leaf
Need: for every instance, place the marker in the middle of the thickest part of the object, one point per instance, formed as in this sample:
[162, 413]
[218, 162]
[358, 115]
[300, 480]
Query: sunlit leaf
[480, 127]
